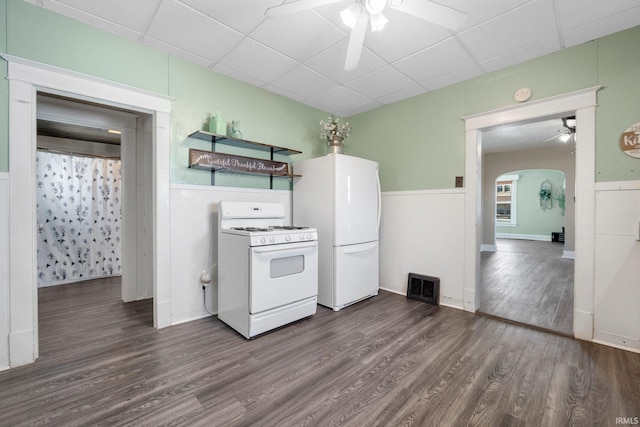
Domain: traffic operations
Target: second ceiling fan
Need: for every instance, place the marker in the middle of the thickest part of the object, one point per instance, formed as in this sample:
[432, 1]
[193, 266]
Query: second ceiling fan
[363, 12]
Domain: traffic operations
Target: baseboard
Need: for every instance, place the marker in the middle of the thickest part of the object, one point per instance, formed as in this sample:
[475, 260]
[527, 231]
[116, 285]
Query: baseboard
[612, 340]
[538, 237]
[488, 248]
[469, 302]
[21, 349]
[163, 314]
[569, 254]
[583, 325]
[445, 301]
[393, 291]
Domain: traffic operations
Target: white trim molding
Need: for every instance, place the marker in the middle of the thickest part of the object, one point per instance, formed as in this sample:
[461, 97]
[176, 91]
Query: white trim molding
[4, 270]
[583, 103]
[537, 237]
[26, 79]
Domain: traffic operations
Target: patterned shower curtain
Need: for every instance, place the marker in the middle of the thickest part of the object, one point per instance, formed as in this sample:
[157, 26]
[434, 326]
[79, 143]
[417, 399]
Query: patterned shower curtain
[79, 218]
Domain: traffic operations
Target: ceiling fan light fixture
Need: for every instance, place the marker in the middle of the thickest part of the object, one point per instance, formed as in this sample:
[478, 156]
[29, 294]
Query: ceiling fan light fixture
[378, 22]
[351, 14]
[375, 7]
[564, 137]
[569, 123]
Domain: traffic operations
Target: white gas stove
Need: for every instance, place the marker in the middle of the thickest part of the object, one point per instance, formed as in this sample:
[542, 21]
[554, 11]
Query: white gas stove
[267, 271]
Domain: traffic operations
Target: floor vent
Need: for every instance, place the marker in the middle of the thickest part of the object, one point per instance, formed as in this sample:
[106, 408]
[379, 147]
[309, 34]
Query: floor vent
[423, 288]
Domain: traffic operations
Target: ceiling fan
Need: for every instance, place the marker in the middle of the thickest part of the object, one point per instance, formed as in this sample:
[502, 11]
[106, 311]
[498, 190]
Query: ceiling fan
[569, 124]
[362, 12]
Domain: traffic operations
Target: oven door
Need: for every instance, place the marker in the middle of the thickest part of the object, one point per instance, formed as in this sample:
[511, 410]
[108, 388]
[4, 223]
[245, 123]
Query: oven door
[282, 274]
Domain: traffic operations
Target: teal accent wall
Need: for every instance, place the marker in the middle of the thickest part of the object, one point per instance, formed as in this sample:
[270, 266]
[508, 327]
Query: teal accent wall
[530, 218]
[36, 34]
[420, 142]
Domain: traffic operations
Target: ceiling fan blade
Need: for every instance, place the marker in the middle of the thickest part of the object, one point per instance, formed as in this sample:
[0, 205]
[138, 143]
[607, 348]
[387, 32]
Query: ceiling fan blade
[558, 135]
[432, 12]
[295, 6]
[356, 40]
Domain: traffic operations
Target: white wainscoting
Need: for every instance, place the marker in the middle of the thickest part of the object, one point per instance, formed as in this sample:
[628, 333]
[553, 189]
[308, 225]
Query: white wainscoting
[617, 265]
[4, 270]
[423, 232]
[194, 242]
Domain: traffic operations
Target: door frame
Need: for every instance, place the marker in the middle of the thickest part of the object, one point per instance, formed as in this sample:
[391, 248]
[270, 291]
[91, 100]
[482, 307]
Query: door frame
[26, 79]
[584, 103]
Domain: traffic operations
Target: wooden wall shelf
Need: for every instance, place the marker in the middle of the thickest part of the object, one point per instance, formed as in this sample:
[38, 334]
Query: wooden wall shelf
[243, 143]
[228, 163]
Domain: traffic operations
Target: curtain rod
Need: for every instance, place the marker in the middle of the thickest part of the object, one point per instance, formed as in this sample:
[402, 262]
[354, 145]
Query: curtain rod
[72, 153]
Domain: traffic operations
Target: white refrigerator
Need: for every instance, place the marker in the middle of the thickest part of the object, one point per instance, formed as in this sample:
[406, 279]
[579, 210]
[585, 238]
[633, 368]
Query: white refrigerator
[339, 195]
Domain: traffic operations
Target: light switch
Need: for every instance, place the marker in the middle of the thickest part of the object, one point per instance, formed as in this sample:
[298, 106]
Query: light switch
[636, 230]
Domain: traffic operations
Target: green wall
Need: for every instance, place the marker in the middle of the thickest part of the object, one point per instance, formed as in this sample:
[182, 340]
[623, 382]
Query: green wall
[530, 218]
[420, 142]
[36, 34]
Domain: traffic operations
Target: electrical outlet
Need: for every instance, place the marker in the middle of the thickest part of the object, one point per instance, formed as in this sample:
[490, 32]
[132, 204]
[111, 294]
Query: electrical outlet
[459, 182]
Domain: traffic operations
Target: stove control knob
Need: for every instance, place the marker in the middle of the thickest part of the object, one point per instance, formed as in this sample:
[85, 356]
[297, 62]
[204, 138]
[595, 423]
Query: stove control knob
[309, 236]
[287, 238]
[271, 239]
[302, 237]
[262, 240]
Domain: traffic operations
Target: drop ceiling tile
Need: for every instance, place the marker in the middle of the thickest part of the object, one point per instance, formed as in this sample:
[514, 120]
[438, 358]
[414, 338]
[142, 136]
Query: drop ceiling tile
[523, 26]
[241, 15]
[180, 53]
[331, 63]
[286, 94]
[258, 61]
[118, 12]
[403, 35]
[408, 92]
[339, 99]
[219, 68]
[524, 54]
[435, 61]
[380, 82]
[593, 30]
[481, 11]
[304, 82]
[360, 109]
[578, 13]
[299, 36]
[455, 76]
[180, 26]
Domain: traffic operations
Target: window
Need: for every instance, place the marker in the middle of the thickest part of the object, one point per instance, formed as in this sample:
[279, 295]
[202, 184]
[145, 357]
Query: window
[506, 202]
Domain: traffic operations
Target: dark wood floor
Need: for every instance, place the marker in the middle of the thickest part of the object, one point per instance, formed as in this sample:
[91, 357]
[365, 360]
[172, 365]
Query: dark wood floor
[387, 361]
[529, 282]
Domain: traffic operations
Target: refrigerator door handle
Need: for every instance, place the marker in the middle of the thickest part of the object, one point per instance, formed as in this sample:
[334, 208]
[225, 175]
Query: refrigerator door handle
[379, 200]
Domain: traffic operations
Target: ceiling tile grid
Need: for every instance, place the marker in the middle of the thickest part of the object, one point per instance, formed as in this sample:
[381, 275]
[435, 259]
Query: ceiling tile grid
[301, 55]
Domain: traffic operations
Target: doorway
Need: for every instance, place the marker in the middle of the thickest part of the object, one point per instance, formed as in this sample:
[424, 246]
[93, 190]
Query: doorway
[26, 80]
[526, 273]
[99, 217]
[583, 103]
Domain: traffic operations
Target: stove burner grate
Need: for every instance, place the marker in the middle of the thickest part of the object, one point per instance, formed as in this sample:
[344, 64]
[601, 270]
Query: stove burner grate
[287, 227]
[251, 229]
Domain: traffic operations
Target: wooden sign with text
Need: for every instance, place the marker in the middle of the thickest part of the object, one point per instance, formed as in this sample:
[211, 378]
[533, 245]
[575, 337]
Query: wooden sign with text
[201, 159]
[630, 141]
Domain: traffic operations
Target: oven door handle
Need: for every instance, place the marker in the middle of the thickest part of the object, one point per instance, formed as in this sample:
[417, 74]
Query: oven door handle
[284, 247]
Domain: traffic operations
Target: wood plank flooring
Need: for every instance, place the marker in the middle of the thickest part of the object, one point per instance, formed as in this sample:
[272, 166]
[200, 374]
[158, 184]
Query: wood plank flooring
[386, 361]
[528, 282]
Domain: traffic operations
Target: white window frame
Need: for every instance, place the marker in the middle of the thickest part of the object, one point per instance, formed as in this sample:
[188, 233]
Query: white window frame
[513, 222]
